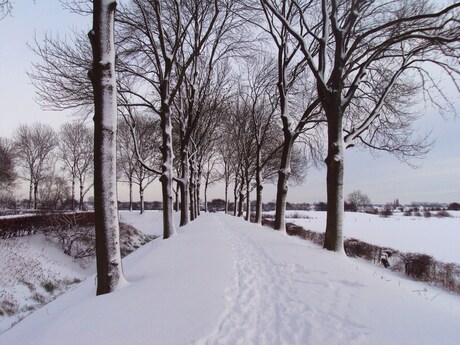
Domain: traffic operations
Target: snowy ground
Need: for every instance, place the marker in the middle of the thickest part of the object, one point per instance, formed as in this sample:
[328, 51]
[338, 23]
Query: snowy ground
[224, 281]
[439, 237]
[34, 271]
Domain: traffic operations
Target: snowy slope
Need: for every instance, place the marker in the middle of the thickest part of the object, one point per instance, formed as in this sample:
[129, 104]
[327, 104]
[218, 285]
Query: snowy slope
[224, 281]
[439, 237]
[33, 271]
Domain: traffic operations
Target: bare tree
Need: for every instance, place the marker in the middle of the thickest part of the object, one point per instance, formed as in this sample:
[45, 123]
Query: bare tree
[6, 6]
[103, 79]
[210, 175]
[76, 153]
[34, 146]
[368, 60]
[147, 147]
[155, 34]
[7, 165]
[358, 200]
[297, 105]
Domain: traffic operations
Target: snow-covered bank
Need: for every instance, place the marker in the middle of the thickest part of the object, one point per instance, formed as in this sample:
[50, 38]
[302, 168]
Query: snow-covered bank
[224, 281]
[438, 237]
[34, 269]
[32, 272]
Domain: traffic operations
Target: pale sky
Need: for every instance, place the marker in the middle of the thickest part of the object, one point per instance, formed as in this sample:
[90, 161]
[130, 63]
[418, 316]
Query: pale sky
[383, 179]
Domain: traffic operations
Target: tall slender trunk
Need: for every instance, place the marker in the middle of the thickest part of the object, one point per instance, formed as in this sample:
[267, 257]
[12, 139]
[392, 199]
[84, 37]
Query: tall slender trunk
[102, 74]
[282, 185]
[166, 178]
[248, 201]
[184, 188]
[35, 195]
[176, 194]
[192, 190]
[130, 181]
[141, 198]
[335, 167]
[235, 196]
[73, 193]
[31, 189]
[81, 195]
[198, 190]
[206, 197]
[226, 196]
[259, 188]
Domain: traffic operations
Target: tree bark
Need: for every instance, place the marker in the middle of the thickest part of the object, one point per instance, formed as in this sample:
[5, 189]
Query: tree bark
[166, 178]
[130, 182]
[226, 196]
[31, 188]
[248, 201]
[184, 188]
[282, 185]
[81, 196]
[35, 195]
[108, 258]
[259, 188]
[141, 198]
[73, 193]
[335, 166]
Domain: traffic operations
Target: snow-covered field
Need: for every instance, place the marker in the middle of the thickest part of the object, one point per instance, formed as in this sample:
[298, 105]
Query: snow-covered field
[439, 237]
[224, 281]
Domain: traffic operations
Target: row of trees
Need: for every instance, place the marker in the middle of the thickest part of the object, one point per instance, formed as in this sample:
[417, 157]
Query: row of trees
[325, 75]
[36, 154]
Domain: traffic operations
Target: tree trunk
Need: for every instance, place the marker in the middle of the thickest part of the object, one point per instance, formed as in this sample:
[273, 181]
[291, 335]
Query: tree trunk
[248, 201]
[259, 188]
[73, 193]
[235, 196]
[184, 188]
[130, 182]
[81, 195]
[166, 178]
[192, 190]
[226, 196]
[141, 198]
[35, 195]
[282, 186]
[108, 258]
[31, 189]
[206, 197]
[334, 238]
[176, 194]
[240, 201]
[198, 190]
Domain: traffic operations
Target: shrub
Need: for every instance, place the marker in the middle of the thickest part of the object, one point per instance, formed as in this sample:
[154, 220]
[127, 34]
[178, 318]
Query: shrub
[356, 248]
[297, 215]
[49, 286]
[407, 213]
[385, 213]
[426, 214]
[8, 307]
[418, 266]
[443, 214]
[417, 214]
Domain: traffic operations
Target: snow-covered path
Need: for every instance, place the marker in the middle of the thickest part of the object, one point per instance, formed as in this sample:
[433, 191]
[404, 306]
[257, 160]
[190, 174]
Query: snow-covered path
[224, 281]
[260, 309]
[281, 296]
